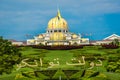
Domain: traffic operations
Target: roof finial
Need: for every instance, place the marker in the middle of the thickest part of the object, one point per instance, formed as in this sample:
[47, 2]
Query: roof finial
[58, 14]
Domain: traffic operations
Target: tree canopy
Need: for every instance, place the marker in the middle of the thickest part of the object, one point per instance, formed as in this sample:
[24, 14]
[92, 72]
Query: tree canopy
[9, 56]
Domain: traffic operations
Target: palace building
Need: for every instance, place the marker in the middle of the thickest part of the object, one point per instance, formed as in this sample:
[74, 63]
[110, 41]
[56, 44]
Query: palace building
[106, 40]
[57, 33]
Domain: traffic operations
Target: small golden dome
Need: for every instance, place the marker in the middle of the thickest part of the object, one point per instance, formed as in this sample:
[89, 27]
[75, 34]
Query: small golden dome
[84, 40]
[57, 22]
[40, 36]
[57, 36]
[74, 36]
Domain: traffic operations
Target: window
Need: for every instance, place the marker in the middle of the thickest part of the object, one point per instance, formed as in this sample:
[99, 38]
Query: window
[55, 30]
[59, 30]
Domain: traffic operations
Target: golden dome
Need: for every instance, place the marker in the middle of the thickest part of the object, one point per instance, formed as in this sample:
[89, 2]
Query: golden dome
[57, 22]
[74, 36]
[40, 36]
[57, 36]
[84, 40]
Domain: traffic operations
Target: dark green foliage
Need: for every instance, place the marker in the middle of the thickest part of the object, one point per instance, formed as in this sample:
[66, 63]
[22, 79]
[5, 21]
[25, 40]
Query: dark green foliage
[113, 66]
[9, 56]
[83, 73]
[26, 74]
[94, 74]
[113, 58]
[69, 73]
[49, 73]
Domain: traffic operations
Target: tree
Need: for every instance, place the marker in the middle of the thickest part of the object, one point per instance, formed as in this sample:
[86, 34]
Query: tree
[9, 56]
[115, 42]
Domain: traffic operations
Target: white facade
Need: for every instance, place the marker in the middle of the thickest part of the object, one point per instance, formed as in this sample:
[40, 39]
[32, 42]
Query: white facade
[69, 40]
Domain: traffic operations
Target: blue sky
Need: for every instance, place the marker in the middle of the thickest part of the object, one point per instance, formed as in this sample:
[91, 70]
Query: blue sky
[95, 19]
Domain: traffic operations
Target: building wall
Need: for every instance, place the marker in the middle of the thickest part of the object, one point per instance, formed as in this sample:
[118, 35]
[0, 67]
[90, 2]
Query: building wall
[17, 43]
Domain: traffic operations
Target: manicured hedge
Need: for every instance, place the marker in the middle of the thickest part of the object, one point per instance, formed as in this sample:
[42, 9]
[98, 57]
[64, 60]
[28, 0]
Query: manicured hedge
[110, 46]
[59, 47]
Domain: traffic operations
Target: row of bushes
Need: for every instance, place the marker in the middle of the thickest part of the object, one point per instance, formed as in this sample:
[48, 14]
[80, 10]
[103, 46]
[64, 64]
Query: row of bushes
[110, 46]
[61, 47]
[68, 47]
[55, 47]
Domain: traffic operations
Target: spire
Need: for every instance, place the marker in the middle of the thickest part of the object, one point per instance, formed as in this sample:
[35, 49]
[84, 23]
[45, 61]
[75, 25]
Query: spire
[58, 14]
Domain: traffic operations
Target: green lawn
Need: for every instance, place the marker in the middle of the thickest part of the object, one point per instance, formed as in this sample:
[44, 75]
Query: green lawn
[63, 56]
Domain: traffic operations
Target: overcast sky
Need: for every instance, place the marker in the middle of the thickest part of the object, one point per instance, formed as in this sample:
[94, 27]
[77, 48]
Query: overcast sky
[95, 19]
